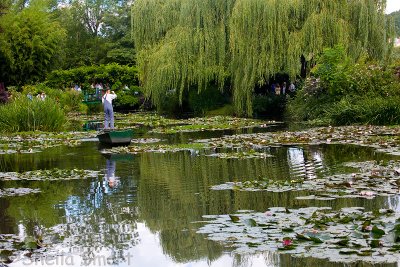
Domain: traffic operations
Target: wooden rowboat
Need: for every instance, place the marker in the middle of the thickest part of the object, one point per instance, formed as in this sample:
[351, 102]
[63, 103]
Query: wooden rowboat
[115, 137]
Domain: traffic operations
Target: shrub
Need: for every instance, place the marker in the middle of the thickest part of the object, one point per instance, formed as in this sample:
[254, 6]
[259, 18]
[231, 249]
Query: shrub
[226, 110]
[270, 105]
[370, 110]
[170, 106]
[208, 99]
[69, 100]
[128, 98]
[22, 114]
[345, 93]
[113, 74]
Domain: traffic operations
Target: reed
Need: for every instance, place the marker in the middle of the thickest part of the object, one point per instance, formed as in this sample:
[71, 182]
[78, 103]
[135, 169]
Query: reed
[22, 114]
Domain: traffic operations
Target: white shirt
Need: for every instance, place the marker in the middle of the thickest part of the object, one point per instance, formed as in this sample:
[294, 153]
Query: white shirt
[108, 97]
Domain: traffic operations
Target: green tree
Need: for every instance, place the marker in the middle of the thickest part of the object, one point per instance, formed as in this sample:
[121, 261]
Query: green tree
[98, 32]
[82, 47]
[396, 18]
[243, 43]
[117, 29]
[30, 44]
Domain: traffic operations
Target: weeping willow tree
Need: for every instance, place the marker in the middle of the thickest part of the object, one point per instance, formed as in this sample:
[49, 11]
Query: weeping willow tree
[243, 43]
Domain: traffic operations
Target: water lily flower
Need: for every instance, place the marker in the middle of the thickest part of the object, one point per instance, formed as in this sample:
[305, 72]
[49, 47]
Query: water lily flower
[287, 242]
[368, 228]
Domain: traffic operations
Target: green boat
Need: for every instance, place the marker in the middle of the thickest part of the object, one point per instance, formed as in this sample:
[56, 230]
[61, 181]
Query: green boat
[115, 137]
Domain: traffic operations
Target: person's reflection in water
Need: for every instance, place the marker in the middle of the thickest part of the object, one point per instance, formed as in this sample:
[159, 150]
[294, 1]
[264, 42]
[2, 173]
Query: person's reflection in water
[110, 174]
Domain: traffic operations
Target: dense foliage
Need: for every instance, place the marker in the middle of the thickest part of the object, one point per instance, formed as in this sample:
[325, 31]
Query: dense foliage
[30, 44]
[107, 74]
[246, 42]
[396, 18]
[38, 36]
[340, 92]
[98, 32]
[22, 114]
[69, 100]
[122, 79]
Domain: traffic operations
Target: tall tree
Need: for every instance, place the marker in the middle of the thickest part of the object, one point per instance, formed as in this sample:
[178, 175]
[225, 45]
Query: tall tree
[117, 29]
[30, 44]
[396, 18]
[246, 42]
[98, 32]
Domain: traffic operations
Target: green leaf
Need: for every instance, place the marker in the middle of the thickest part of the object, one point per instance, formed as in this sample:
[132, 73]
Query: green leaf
[287, 230]
[289, 247]
[30, 243]
[348, 252]
[303, 237]
[343, 242]
[252, 245]
[234, 218]
[250, 222]
[364, 253]
[376, 232]
[375, 243]
[316, 240]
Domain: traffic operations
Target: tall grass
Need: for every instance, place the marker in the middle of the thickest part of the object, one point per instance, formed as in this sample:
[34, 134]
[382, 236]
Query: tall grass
[22, 114]
[366, 110]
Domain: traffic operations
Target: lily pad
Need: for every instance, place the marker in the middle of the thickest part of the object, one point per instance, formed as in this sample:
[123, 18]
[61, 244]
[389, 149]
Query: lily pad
[53, 174]
[348, 185]
[11, 192]
[335, 241]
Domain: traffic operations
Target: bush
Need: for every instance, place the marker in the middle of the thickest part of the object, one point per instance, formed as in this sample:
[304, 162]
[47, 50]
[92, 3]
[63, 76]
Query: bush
[310, 102]
[270, 106]
[170, 106]
[372, 110]
[226, 110]
[107, 74]
[345, 93]
[210, 98]
[128, 98]
[69, 100]
[22, 114]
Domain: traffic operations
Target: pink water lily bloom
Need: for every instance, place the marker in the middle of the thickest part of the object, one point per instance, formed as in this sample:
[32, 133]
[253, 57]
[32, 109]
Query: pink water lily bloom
[287, 242]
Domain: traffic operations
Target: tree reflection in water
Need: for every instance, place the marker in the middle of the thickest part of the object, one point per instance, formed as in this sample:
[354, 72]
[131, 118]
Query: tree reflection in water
[102, 225]
[163, 194]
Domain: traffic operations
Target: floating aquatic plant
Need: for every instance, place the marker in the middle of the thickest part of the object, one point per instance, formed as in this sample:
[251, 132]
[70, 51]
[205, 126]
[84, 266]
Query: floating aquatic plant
[384, 139]
[155, 148]
[374, 179]
[212, 124]
[34, 142]
[346, 235]
[241, 155]
[11, 192]
[53, 174]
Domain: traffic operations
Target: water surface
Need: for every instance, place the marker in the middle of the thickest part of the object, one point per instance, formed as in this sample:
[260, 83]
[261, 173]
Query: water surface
[147, 214]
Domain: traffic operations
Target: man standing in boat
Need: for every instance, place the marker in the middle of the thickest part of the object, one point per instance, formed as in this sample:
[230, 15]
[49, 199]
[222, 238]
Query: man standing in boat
[107, 99]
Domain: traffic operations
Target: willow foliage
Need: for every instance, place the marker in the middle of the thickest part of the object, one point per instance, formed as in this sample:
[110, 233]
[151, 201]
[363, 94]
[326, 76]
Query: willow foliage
[193, 42]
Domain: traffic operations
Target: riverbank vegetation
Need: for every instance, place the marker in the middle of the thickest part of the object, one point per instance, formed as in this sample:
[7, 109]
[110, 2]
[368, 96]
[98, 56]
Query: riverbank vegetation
[188, 59]
[238, 44]
[341, 92]
[23, 114]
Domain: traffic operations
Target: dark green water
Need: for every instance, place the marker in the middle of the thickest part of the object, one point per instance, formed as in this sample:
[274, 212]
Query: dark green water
[147, 217]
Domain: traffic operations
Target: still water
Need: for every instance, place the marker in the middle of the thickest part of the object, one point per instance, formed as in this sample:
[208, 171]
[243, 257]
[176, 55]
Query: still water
[144, 210]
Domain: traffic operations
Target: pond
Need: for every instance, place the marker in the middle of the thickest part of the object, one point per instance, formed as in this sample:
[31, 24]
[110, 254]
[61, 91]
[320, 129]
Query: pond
[146, 209]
